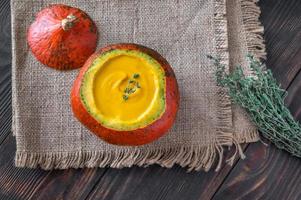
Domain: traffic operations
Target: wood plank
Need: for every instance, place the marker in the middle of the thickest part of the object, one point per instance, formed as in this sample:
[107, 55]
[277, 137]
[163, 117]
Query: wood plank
[269, 173]
[5, 70]
[282, 23]
[293, 100]
[68, 184]
[16, 183]
[155, 182]
[131, 183]
[78, 184]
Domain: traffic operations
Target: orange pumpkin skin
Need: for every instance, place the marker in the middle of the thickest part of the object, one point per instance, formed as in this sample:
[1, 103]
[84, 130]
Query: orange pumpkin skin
[139, 136]
[62, 37]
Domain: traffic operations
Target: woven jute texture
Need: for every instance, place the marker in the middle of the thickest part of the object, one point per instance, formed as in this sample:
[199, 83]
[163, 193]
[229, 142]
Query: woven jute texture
[184, 32]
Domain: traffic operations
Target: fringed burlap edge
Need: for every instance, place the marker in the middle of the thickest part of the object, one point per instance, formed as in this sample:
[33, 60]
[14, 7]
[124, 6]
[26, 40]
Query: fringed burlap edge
[194, 158]
[13, 76]
[224, 135]
[253, 28]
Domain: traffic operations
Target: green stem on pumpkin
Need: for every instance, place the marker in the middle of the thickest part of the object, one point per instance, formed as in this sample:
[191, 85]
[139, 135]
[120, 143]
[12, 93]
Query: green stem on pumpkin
[261, 96]
[68, 22]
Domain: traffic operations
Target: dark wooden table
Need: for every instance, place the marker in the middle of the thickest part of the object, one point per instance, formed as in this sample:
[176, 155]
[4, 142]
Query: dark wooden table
[267, 173]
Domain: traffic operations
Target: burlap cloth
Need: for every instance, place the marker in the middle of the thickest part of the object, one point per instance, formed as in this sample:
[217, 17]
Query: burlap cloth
[184, 32]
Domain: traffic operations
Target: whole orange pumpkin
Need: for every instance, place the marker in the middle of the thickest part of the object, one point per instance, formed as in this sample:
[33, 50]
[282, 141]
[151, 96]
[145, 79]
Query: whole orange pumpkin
[62, 37]
[97, 96]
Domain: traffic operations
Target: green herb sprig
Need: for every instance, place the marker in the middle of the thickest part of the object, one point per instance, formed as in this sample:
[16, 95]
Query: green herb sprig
[132, 86]
[261, 96]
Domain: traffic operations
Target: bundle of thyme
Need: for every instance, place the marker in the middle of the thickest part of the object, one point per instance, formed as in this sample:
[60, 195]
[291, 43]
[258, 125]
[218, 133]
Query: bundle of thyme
[261, 96]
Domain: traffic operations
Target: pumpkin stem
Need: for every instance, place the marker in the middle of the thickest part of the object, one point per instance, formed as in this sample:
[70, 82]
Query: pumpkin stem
[68, 22]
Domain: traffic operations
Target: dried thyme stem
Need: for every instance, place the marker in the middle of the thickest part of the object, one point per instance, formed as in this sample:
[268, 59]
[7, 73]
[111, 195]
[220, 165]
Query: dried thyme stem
[131, 88]
[263, 99]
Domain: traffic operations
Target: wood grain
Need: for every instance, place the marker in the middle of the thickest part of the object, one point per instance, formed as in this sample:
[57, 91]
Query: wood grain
[68, 184]
[293, 100]
[131, 183]
[16, 183]
[5, 70]
[269, 173]
[282, 23]
[156, 182]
